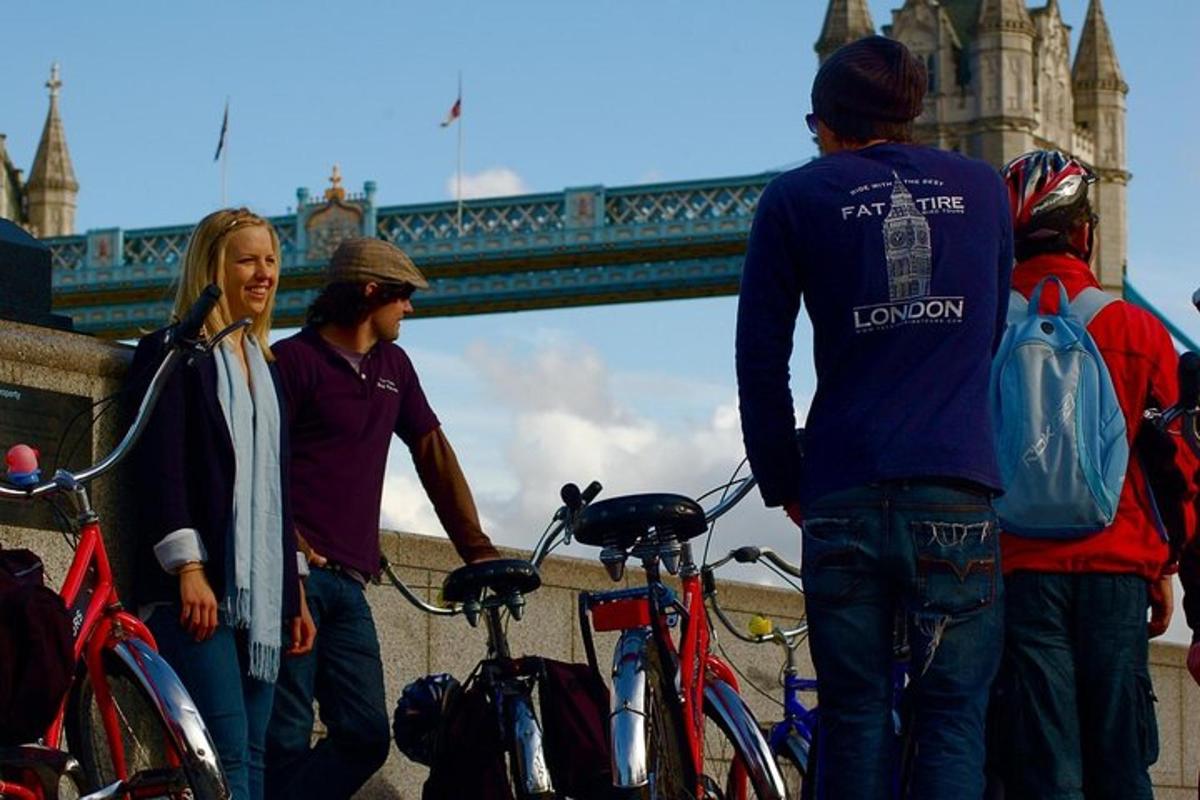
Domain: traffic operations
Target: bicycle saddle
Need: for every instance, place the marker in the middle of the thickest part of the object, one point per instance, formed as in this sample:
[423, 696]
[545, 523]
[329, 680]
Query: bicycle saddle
[620, 521]
[503, 576]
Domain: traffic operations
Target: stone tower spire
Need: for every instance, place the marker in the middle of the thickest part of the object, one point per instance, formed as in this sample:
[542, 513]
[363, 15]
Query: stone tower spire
[845, 21]
[1004, 15]
[1100, 92]
[51, 191]
[1002, 67]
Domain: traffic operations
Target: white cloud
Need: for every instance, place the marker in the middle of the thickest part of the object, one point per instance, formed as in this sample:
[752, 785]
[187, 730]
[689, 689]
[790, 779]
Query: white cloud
[491, 182]
[545, 409]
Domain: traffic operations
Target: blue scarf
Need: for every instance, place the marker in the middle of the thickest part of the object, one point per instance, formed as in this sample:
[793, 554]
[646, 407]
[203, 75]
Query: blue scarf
[254, 598]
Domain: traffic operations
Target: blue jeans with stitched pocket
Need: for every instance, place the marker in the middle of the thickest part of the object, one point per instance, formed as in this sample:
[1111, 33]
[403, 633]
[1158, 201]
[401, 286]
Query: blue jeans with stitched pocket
[929, 551]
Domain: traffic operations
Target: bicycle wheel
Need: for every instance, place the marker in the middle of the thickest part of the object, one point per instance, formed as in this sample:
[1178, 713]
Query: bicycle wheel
[149, 750]
[792, 758]
[669, 779]
[725, 774]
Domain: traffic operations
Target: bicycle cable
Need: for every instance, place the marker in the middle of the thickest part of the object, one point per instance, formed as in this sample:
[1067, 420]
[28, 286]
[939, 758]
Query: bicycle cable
[724, 489]
[746, 679]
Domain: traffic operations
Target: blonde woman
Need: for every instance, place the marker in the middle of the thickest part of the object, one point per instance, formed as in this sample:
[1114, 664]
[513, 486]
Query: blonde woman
[217, 567]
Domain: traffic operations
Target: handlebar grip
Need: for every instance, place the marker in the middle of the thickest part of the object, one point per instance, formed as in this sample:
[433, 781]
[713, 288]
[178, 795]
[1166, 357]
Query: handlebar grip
[593, 489]
[1196, 299]
[571, 496]
[746, 555]
[1189, 380]
[189, 326]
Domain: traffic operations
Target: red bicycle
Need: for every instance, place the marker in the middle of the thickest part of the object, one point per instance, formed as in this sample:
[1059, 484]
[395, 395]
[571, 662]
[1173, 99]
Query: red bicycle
[127, 717]
[678, 726]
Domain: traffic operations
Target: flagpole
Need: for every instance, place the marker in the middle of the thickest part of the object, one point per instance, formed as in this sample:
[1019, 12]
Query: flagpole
[460, 137]
[225, 157]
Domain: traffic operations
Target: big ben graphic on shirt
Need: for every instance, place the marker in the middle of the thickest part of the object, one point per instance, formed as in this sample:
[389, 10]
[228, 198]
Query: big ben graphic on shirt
[908, 258]
[906, 239]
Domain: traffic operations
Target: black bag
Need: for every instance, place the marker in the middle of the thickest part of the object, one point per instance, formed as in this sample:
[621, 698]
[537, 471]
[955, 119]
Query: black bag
[573, 701]
[468, 751]
[36, 655]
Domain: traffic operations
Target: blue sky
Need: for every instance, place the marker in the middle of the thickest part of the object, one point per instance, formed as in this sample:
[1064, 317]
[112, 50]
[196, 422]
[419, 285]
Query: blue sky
[555, 94]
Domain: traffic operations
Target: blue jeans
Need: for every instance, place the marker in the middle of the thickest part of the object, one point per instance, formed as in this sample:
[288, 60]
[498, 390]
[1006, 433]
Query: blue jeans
[344, 673]
[1073, 708]
[236, 708]
[930, 552]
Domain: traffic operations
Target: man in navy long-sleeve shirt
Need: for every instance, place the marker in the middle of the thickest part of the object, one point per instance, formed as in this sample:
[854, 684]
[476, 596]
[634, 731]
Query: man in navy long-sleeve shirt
[903, 256]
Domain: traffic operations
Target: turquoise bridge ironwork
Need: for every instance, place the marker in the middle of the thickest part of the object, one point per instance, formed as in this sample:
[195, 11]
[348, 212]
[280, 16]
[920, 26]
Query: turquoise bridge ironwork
[583, 246]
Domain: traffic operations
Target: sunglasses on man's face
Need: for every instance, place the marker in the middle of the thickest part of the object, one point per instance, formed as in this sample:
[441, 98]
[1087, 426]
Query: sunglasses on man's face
[811, 121]
[390, 292]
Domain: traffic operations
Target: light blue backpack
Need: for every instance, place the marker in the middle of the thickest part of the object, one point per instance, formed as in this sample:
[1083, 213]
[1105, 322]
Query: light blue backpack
[1060, 432]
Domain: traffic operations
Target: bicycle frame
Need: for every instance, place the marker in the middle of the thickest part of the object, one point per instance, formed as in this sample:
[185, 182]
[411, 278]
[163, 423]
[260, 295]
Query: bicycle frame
[645, 616]
[511, 691]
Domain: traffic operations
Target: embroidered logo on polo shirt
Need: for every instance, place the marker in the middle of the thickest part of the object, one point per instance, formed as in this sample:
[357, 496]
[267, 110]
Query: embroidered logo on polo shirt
[386, 383]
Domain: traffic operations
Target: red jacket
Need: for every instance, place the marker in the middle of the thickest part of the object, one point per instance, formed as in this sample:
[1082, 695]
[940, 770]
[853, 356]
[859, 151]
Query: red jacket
[1142, 361]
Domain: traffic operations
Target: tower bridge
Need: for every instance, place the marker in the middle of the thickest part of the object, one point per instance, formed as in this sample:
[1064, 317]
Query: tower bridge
[581, 246]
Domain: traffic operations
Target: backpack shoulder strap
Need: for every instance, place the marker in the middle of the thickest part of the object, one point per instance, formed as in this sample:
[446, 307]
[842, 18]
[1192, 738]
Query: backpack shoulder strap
[1090, 302]
[1018, 308]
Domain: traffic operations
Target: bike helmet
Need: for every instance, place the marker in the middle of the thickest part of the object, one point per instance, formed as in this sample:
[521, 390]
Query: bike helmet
[419, 713]
[1048, 197]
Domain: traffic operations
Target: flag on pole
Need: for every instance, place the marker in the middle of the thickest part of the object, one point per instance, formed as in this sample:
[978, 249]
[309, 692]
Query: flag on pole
[455, 111]
[224, 130]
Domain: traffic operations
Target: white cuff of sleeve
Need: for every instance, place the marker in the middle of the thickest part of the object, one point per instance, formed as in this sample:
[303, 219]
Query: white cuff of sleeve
[178, 548]
[301, 564]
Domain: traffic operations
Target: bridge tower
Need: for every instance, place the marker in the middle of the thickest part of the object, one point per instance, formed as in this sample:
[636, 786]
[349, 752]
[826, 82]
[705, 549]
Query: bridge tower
[1001, 82]
[1100, 92]
[52, 189]
[845, 21]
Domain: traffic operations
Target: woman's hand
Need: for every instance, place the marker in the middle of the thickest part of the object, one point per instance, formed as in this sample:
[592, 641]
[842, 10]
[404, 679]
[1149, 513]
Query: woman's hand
[304, 630]
[198, 614]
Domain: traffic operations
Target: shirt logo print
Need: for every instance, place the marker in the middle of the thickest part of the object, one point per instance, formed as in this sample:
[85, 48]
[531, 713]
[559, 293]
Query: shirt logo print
[908, 254]
[387, 383]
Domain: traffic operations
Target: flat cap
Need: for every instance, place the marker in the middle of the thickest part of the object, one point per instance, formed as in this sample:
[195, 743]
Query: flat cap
[365, 259]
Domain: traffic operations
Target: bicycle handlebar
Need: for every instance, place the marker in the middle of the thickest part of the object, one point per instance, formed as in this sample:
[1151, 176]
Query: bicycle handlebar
[182, 340]
[402, 587]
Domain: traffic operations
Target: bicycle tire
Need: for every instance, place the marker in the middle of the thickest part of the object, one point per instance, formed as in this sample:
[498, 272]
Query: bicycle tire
[669, 779]
[720, 755]
[792, 758]
[144, 733]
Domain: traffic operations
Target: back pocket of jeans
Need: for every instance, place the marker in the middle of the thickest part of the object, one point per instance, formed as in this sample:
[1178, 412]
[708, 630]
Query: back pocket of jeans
[833, 559]
[957, 565]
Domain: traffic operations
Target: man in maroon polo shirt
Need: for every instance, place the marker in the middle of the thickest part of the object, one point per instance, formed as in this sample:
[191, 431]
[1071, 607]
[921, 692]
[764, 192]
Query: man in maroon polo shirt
[348, 389]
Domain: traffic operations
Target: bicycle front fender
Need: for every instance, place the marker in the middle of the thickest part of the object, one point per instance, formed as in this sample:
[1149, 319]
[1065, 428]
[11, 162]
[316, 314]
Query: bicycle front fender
[179, 716]
[533, 772]
[723, 702]
[627, 712]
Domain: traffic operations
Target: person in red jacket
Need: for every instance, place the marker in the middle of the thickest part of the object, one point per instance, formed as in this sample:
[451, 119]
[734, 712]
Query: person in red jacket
[1073, 707]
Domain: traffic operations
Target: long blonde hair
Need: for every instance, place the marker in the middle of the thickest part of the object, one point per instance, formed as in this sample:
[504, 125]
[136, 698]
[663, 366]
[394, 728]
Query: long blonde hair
[204, 263]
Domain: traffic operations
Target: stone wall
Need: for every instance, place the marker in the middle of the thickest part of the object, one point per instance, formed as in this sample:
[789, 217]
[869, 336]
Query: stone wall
[78, 364]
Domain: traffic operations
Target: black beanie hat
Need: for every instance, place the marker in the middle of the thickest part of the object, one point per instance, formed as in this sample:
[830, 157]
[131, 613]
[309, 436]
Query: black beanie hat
[874, 78]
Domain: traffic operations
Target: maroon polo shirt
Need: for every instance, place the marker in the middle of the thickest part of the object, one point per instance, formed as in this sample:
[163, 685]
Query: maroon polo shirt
[341, 425]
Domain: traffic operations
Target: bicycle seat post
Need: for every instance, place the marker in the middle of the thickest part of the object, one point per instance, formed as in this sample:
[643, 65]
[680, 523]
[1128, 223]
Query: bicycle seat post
[497, 639]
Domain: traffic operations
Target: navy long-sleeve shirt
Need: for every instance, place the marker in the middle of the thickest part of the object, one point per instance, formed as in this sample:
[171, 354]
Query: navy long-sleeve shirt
[903, 255]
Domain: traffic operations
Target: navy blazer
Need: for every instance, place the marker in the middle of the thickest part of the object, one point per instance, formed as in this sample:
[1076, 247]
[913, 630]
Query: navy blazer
[183, 474]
